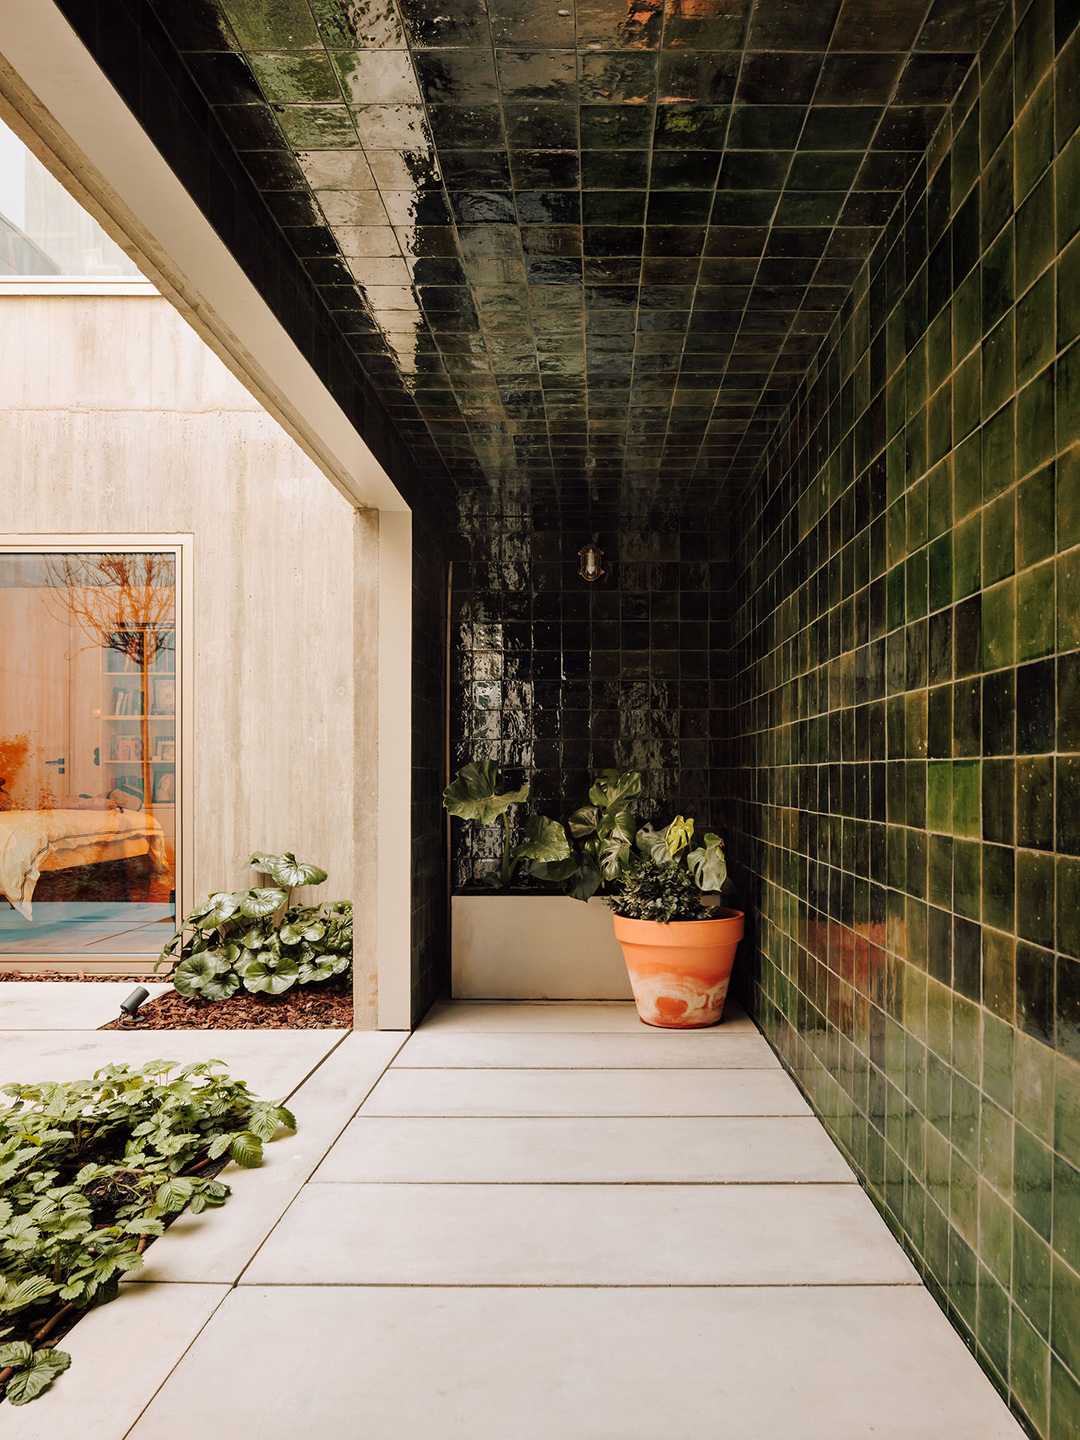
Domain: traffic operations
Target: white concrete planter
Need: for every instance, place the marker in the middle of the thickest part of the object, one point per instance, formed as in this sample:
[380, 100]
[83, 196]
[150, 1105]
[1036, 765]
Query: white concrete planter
[535, 947]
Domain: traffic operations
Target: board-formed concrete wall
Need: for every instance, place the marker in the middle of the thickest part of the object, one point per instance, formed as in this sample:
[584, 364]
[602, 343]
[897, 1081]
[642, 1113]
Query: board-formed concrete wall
[115, 418]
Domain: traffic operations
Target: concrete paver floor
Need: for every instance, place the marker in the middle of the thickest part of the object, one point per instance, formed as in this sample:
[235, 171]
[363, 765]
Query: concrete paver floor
[541, 1221]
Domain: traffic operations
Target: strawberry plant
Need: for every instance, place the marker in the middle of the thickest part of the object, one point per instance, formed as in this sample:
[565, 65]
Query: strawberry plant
[91, 1171]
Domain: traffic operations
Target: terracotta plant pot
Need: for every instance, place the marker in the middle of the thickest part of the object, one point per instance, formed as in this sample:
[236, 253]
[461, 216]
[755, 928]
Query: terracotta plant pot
[680, 972]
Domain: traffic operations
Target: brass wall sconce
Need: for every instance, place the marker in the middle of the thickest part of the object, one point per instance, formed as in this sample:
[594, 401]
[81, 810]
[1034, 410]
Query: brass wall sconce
[592, 561]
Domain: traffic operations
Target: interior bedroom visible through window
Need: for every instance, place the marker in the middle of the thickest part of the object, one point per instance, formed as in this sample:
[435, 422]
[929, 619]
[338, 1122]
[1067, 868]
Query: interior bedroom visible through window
[89, 743]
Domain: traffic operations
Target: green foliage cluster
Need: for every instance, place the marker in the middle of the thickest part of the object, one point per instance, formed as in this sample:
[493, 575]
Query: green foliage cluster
[595, 850]
[667, 881]
[652, 891]
[90, 1170]
[257, 939]
[473, 795]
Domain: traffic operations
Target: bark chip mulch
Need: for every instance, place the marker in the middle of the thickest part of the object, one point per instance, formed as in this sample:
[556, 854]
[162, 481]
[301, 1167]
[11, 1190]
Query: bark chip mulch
[327, 1006]
[77, 978]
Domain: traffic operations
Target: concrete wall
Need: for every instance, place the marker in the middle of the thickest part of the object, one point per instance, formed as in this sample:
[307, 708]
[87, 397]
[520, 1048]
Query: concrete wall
[116, 418]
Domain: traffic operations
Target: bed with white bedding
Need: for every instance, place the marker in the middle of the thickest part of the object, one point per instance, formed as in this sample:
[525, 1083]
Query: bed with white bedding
[33, 841]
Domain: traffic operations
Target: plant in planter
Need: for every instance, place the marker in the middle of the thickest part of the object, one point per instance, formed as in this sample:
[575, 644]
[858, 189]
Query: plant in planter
[679, 952]
[472, 795]
[601, 834]
[259, 939]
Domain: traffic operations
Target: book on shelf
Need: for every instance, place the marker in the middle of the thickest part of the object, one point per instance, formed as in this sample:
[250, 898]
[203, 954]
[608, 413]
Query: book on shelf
[127, 701]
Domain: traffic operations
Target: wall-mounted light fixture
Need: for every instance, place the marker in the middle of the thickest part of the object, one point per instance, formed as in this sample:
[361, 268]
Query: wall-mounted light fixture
[592, 561]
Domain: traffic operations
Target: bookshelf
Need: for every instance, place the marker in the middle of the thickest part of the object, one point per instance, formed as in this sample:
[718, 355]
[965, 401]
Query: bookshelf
[121, 749]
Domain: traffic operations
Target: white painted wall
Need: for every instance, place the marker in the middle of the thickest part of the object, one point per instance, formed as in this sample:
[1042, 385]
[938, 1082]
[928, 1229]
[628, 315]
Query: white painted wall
[115, 417]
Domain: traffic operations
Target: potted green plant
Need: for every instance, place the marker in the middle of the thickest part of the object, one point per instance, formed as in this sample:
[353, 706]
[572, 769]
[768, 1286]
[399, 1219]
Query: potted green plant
[534, 945]
[679, 950]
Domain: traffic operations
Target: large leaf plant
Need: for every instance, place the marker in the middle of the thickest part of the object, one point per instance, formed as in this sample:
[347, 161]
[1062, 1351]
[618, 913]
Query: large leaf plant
[474, 795]
[258, 939]
[601, 836]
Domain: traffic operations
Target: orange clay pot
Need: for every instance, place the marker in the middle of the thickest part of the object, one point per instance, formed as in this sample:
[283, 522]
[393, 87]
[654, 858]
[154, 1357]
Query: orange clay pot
[680, 971]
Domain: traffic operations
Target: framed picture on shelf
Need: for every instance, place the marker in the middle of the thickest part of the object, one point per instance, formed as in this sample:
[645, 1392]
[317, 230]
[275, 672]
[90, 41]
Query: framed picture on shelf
[165, 748]
[164, 697]
[164, 792]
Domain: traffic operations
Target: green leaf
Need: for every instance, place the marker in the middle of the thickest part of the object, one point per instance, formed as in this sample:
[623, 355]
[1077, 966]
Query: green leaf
[246, 1150]
[286, 869]
[584, 884]
[29, 1384]
[208, 976]
[255, 904]
[544, 840]
[218, 910]
[26, 1292]
[707, 864]
[678, 835]
[270, 976]
[584, 822]
[555, 871]
[653, 844]
[17, 1353]
[612, 787]
[471, 796]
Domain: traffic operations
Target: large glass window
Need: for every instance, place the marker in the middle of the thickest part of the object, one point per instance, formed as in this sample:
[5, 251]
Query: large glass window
[43, 231]
[89, 751]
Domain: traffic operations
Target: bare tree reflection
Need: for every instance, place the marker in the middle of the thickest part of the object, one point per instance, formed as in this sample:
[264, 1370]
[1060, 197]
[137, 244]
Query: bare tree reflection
[124, 603]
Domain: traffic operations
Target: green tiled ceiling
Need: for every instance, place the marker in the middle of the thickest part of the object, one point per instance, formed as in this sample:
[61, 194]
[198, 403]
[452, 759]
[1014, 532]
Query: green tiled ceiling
[584, 251]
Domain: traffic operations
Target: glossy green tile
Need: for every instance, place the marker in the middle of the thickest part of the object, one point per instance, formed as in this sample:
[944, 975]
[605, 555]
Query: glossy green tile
[1035, 527]
[1033, 1172]
[1066, 1223]
[1068, 598]
[1067, 180]
[1035, 328]
[1035, 423]
[998, 370]
[1035, 231]
[1065, 1326]
[1035, 611]
[999, 625]
[967, 557]
[1064, 1403]
[1067, 397]
[999, 451]
[1031, 1276]
[1034, 138]
[1029, 1367]
[1068, 294]
[998, 538]
[992, 1323]
[966, 795]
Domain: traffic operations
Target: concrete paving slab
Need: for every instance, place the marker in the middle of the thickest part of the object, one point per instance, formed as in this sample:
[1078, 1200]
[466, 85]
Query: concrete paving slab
[619, 1016]
[585, 1092]
[573, 1151]
[63, 1005]
[218, 1244]
[121, 1355]
[823, 1363]
[272, 1062]
[717, 1048]
[581, 1235]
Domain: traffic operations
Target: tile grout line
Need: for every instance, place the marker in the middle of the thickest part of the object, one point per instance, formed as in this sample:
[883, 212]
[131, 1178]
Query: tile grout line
[231, 1286]
[251, 1258]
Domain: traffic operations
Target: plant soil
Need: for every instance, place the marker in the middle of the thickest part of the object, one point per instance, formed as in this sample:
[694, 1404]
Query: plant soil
[79, 978]
[326, 1006]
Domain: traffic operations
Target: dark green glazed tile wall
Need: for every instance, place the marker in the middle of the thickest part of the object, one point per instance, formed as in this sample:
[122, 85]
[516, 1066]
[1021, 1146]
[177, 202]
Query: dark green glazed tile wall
[906, 751]
[556, 678]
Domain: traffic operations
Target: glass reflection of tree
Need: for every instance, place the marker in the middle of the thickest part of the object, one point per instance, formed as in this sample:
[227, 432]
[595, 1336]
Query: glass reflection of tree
[123, 603]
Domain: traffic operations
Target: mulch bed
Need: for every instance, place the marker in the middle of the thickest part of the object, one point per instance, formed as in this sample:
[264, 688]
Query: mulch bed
[78, 977]
[326, 1006]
